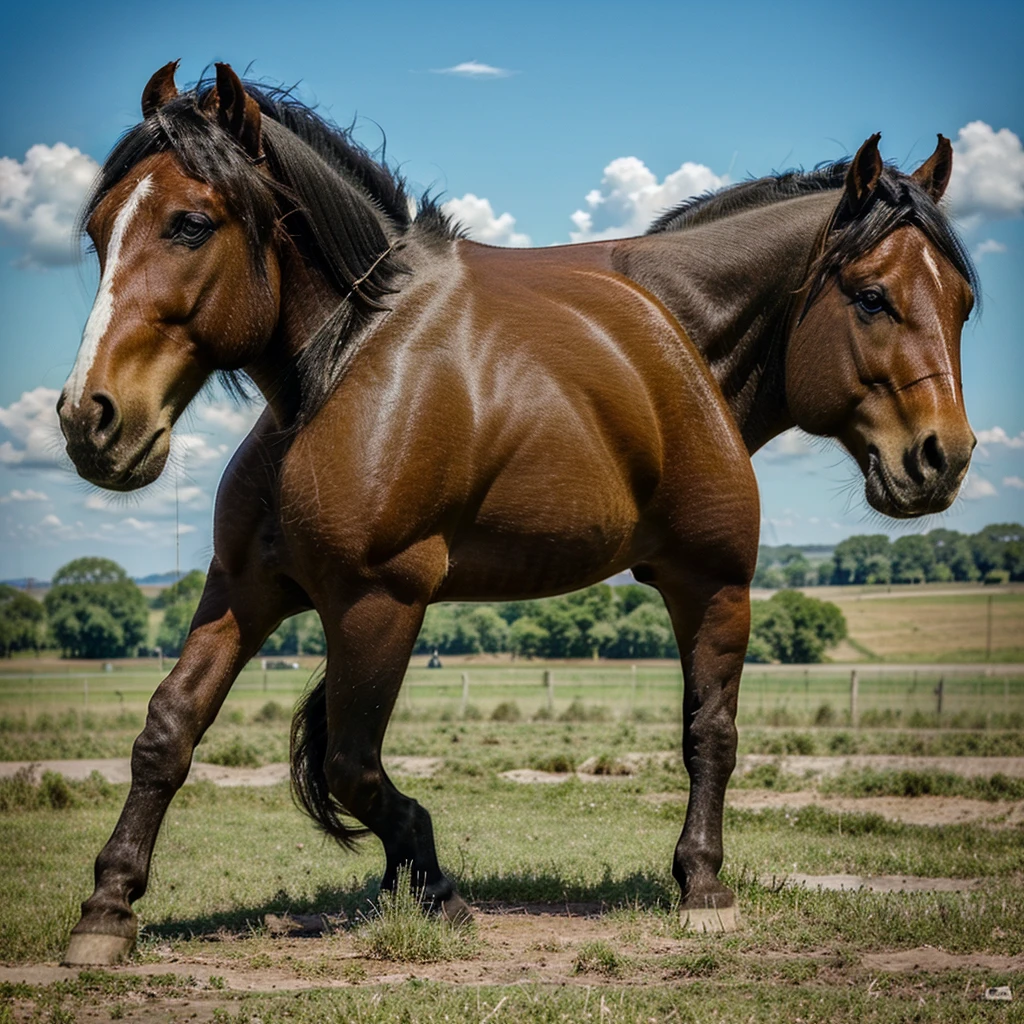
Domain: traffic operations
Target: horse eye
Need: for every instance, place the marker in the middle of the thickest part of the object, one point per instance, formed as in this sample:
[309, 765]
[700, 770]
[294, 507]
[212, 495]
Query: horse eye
[193, 229]
[871, 301]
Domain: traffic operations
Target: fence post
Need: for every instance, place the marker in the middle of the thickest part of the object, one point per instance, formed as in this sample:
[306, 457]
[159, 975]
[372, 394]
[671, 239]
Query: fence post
[854, 688]
[632, 687]
[85, 692]
[465, 693]
[549, 684]
[938, 696]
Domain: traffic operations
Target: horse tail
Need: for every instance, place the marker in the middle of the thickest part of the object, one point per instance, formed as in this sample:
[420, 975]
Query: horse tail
[309, 779]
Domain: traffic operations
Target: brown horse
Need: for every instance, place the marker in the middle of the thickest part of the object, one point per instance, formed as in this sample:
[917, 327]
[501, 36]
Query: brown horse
[448, 421]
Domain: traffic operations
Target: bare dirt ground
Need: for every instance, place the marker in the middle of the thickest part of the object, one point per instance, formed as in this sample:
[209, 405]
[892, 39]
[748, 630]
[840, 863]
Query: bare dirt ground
[536, 943]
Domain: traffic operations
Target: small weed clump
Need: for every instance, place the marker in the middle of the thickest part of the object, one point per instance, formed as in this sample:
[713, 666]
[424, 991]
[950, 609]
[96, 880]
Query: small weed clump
[597, 958]
[400, 930]
[577, 711]
[20, 792]
[234, 754]
[506, 711]
[271, 713]
[560, 763]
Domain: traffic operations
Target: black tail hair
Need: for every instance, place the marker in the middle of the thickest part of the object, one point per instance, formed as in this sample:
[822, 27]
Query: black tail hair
[309, 780]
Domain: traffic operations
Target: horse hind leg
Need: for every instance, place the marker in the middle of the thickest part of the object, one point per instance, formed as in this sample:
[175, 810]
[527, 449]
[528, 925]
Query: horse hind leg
[337, 738]
[711, 619]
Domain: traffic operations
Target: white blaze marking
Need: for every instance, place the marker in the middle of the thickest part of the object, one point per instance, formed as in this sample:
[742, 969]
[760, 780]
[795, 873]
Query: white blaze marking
[103, 306]
[932, 265]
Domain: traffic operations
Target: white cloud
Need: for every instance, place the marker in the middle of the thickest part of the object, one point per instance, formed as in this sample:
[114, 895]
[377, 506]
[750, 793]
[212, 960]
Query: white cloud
[51, 529]
[40, 197]
[988, 174]
[988, 246]
[235, 419]
[32, 422]
[631, 196]
[996, 435]
[1016, 482]
[476, 215]
[977, 487]
[786, 447]
[474, 69]
[161, 503]
[21, 496]
[190, 449]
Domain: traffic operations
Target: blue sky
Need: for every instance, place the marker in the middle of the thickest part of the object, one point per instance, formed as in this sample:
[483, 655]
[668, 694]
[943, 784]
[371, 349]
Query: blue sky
[518, 113]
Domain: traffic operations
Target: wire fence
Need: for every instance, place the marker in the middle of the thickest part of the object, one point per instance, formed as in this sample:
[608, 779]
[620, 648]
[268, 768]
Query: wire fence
[769, 695]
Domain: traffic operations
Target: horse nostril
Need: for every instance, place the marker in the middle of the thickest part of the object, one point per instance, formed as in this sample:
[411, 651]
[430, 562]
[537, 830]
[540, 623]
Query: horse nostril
[932, 455]
[108, 418]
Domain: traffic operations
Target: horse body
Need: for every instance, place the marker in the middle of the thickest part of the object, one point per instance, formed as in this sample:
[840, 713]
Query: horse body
[598, 470]
[449, 421]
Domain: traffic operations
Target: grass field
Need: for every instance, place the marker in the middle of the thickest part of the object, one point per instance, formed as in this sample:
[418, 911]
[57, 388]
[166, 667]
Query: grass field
[931, 623]
[570, 881]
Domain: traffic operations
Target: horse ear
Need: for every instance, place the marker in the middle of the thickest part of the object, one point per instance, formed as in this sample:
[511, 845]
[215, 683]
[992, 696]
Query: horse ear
[236, 111]
[933, 174]
[160, 89]
[864, 172]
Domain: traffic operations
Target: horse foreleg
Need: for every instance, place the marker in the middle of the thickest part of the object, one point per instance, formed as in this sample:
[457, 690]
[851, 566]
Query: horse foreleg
[711, 622]
[229, 628]
[368, 654]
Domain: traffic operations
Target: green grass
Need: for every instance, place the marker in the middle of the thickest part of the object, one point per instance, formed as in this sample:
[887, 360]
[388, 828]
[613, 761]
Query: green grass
[506, 843]
[397, 929]
[771, 994]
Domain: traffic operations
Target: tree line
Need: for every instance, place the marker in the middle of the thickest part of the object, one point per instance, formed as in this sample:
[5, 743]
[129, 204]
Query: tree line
[94, 610]
[994, 554]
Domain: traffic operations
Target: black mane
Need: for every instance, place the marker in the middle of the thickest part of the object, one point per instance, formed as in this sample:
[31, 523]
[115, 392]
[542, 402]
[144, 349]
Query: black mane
[345, 209]
[897, 200]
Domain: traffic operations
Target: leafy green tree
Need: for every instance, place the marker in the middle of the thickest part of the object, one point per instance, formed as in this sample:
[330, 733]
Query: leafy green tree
[284, 639]
[170, 638]
[797, 571]
[489, 627]
[913, 559]
[527, 637]
[95, 610]
[20, 621]
[793, 628]
[952, 550]
[851, 558]
[311, 633]
[179, 601]
[633, 594]
[646, 632]
[188, 588]
[771, 632]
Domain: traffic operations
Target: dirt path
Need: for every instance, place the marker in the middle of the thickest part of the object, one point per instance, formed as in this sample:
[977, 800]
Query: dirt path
[119, 769]
[535, 944]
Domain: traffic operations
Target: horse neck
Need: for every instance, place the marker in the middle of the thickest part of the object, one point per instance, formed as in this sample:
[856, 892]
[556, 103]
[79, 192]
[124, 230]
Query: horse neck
[732, 283]
[306, 299]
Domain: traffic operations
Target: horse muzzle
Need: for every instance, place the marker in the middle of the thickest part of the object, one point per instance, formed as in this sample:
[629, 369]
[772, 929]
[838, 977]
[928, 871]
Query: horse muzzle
[107, 449]
[923, 479]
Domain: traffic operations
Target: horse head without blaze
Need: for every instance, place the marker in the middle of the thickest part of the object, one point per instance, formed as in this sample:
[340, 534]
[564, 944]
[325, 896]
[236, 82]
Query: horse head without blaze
[451, 421]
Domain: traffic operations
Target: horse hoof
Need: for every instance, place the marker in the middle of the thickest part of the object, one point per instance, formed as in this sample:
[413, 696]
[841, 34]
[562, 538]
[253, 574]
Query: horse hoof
[91, 948]
[709, 919]
[456, 910]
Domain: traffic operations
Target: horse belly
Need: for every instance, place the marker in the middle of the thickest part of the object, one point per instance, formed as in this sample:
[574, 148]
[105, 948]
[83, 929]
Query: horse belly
[546, 525]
